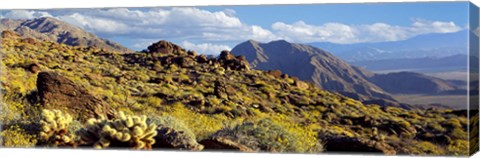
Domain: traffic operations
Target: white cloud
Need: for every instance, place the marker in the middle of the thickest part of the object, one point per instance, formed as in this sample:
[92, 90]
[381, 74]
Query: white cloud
[205, 48]
[343, 33]
[160, 23]
[178, 24]
[25, 14]
[201, 26]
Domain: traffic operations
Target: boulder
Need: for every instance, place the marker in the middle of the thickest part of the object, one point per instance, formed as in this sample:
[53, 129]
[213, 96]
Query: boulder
[202, 59]
[33, 68]
[275, 73]
[165, 47]
[301, 85]
[220, 143]
[226, 56]
[173, 139]
[58, 92]
[229, 61]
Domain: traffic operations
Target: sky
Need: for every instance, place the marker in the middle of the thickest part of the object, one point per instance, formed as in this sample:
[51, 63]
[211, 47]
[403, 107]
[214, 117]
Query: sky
[211, 29]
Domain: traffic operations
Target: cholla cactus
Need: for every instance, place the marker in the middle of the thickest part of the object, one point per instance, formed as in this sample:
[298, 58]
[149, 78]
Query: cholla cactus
[54, 128]
[124, 130]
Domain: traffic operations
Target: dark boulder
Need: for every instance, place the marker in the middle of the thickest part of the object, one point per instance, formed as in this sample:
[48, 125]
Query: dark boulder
[229, 61]
[165, 47]
[58, 92]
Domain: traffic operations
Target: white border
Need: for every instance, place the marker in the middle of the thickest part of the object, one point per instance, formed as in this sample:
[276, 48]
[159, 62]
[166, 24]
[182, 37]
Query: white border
[48, 4]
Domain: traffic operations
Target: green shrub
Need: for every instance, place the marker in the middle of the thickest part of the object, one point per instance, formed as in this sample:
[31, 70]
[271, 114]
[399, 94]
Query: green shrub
[265, 135]
[172, 122]
[14, 136]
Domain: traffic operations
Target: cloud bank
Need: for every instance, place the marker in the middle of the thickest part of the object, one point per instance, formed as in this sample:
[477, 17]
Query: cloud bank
[199, 29]
[342, 33]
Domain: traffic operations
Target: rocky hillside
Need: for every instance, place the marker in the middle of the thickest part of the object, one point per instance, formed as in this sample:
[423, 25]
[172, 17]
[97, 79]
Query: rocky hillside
[312, 64]
[413, 83]
[52, 29]
[56, 95]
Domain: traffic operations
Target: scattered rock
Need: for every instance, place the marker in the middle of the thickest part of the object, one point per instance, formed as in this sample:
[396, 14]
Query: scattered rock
[226, 56]
[220, 143]
[170, 138]
[202, 59]
[29, 41]
[302, 85]
[58, 92]
[34, 68]
[348, 144]
[275, 73]
[9, 34]
[229, 61]
[437, 138]
[222, 90]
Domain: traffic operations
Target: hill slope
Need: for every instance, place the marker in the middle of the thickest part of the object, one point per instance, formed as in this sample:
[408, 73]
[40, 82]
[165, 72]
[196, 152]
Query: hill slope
[209, 100]
[312, 64]
[411, 83]
[58, 31]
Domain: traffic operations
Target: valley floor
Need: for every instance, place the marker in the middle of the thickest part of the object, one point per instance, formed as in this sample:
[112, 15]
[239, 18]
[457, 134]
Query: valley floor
[453, 101]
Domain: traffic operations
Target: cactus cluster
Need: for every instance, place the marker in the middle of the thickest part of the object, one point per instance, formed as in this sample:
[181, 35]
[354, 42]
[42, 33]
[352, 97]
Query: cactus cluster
[131, 131]
[54, 128]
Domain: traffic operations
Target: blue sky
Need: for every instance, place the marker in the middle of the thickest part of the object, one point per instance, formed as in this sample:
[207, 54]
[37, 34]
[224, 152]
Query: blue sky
[391, 13]
[211, 29]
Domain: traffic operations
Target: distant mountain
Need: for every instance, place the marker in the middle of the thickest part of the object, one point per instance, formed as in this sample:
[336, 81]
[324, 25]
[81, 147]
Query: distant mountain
[312, 64]
[413, 83]
[426, 64]
[429, 45]
[52, 29]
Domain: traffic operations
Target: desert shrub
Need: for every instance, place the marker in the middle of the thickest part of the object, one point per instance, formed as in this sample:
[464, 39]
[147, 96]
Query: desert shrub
[201, 125]
[459, 133]
[265, 135]
[172, 122]
[424, 147]
[14, 136]
[458, 147]
[453, 123]
[153, 101]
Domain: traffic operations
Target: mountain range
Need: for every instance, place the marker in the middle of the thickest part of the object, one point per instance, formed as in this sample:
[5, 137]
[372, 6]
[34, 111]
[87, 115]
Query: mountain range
[331, 73]
[423, 53]
[52, 29]
[429, 45]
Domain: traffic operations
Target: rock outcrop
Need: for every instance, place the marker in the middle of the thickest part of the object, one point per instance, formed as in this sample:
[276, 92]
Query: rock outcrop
[165, 47]
[229, 61]
[58, 92]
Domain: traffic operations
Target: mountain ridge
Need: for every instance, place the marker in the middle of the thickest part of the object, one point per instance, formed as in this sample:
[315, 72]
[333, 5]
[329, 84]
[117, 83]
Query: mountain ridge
[322, 68]
[52, 29]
